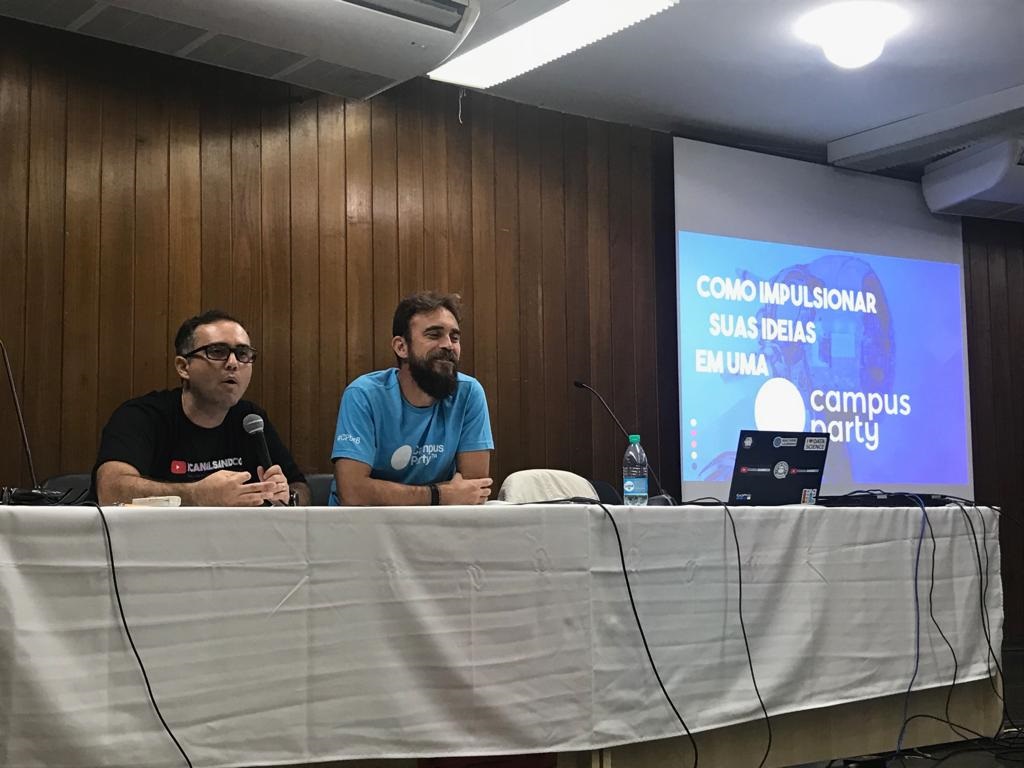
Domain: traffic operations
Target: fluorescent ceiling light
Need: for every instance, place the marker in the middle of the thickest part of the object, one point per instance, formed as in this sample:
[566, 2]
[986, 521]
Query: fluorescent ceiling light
[560, 31]
[853, 33]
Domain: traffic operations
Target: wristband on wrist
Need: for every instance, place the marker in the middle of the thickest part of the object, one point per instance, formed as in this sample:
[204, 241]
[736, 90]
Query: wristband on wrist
[435, 495]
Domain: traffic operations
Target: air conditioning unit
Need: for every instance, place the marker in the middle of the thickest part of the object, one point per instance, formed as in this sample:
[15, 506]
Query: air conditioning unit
[352, 48]
[985, 181]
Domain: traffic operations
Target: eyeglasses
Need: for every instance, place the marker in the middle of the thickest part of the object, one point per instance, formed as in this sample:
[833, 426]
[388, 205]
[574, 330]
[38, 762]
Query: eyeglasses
[219, 352]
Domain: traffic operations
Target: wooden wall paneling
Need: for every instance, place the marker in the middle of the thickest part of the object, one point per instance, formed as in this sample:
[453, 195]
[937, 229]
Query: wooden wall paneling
[1012, 536]
[215, 156]
[983, 336]
[384, 151]
[979, 349]
[663, 216]
[333, 258]
[410, 187]
[305, 299]
[245, 261]
[80, 322]
[151, 359]
[184, 214]
[1003, 435]
[606, 442]
[554, 327]
[275, 182]
[435, 186]
[359, 239]
[1015, 330]
[484, 288]
[117, 244]
[309, 219]
[507, 423]
[460, 222]
[15, 81]
[45, 256]
[531, 297]
[621, 281]
[577, 293]
[644, 306]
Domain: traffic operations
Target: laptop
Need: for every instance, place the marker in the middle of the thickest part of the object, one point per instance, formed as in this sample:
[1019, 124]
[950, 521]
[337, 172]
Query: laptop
[775, 468]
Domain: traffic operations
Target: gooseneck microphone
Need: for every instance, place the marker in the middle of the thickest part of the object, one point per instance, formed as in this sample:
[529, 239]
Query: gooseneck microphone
[35, 494]
[622, 429]
[253, 425]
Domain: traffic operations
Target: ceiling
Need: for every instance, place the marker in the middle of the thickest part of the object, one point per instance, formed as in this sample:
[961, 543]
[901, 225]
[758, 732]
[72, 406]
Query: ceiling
[729, 71]
[733, 72]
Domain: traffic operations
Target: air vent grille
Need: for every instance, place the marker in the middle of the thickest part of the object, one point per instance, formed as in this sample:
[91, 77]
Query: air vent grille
[53, 13]
[124, 26]
[235, 53]
[334, 78]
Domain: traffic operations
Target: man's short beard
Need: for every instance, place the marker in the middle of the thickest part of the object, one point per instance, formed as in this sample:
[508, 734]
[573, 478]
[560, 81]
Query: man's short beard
[437, 384]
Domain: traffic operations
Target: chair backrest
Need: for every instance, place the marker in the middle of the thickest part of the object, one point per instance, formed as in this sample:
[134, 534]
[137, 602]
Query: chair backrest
[606, 492]
[530, 485]
[72, 482]
[76, 486]
[319, 489]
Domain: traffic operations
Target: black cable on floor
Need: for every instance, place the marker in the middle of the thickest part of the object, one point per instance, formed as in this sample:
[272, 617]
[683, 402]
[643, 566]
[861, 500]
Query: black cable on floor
[128, 634]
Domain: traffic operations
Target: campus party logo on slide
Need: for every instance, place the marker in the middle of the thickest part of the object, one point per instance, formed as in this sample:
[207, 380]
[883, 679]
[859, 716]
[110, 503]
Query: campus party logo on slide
[791, 338]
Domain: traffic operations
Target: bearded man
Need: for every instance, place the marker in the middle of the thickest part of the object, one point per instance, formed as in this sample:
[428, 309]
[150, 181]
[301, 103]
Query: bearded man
[417, 434]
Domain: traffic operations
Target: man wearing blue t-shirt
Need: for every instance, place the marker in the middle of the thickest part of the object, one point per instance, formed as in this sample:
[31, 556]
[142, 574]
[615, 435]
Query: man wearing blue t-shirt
[417, 434]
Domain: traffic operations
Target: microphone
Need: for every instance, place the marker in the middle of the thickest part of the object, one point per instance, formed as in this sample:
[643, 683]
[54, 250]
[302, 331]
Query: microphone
[662, 499]
[253, 425]
[35, 494]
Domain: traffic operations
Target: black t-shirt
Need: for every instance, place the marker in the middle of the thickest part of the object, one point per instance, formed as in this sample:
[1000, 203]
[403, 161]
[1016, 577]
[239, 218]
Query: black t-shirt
[153, 434]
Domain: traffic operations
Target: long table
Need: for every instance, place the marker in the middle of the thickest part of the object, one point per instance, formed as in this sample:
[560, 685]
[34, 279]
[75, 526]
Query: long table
[290, 636]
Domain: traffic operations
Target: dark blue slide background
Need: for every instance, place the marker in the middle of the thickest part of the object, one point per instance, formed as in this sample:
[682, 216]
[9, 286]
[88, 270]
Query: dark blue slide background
[913, 345]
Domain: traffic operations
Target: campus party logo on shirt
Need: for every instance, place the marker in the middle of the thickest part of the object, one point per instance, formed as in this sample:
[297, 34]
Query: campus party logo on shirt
[406, 455]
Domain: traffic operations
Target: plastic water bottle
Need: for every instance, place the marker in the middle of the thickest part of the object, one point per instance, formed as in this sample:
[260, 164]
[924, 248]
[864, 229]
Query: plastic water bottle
[634, 473]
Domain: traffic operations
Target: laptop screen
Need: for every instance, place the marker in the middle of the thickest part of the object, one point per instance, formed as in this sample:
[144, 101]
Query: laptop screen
[775, 468]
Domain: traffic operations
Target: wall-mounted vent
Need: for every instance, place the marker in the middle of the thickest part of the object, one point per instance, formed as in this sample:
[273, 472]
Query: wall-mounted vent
[235, 53]
[334, 78]
[353, 48]
[52, 13]
[123, 26]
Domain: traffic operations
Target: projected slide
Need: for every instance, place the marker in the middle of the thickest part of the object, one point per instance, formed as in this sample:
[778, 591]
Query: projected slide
[866, 347]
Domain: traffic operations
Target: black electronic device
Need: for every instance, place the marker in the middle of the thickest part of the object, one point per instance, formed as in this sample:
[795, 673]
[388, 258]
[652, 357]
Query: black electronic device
[774, 468]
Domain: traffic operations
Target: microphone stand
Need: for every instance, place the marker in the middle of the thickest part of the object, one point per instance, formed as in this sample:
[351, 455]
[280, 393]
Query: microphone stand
[35, 494]
[662, 499]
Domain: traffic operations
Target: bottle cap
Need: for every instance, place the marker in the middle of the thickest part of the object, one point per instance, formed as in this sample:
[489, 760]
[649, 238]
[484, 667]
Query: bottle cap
[634, 439]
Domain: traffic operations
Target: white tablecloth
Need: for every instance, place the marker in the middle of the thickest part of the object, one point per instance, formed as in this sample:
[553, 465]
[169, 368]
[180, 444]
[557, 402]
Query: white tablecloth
[292, 635]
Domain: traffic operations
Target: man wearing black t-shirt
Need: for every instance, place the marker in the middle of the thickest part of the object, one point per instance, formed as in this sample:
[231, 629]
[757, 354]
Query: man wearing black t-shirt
[189, 442]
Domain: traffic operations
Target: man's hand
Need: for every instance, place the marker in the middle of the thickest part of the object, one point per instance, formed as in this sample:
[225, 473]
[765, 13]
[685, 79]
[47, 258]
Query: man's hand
[225, 488]
[459, 490]
[276, 476]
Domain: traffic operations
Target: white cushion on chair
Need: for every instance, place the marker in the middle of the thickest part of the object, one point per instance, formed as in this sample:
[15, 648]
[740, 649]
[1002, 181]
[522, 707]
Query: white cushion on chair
[529, 485]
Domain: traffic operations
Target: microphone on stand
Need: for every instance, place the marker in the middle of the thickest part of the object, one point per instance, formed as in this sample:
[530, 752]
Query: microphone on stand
[35, 494]
[662, 499]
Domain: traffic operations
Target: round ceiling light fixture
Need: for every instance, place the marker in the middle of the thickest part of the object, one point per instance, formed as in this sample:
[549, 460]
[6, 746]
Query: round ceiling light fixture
[852, 33]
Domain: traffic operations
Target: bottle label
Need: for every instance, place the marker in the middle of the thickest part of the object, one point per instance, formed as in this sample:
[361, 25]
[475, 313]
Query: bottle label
[634, 486]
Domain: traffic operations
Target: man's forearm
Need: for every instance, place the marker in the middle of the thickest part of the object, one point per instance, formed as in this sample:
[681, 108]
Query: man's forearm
[370, 492]
[121, 489]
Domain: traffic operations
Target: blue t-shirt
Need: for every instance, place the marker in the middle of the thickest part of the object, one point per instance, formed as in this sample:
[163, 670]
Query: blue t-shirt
[404, 443]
